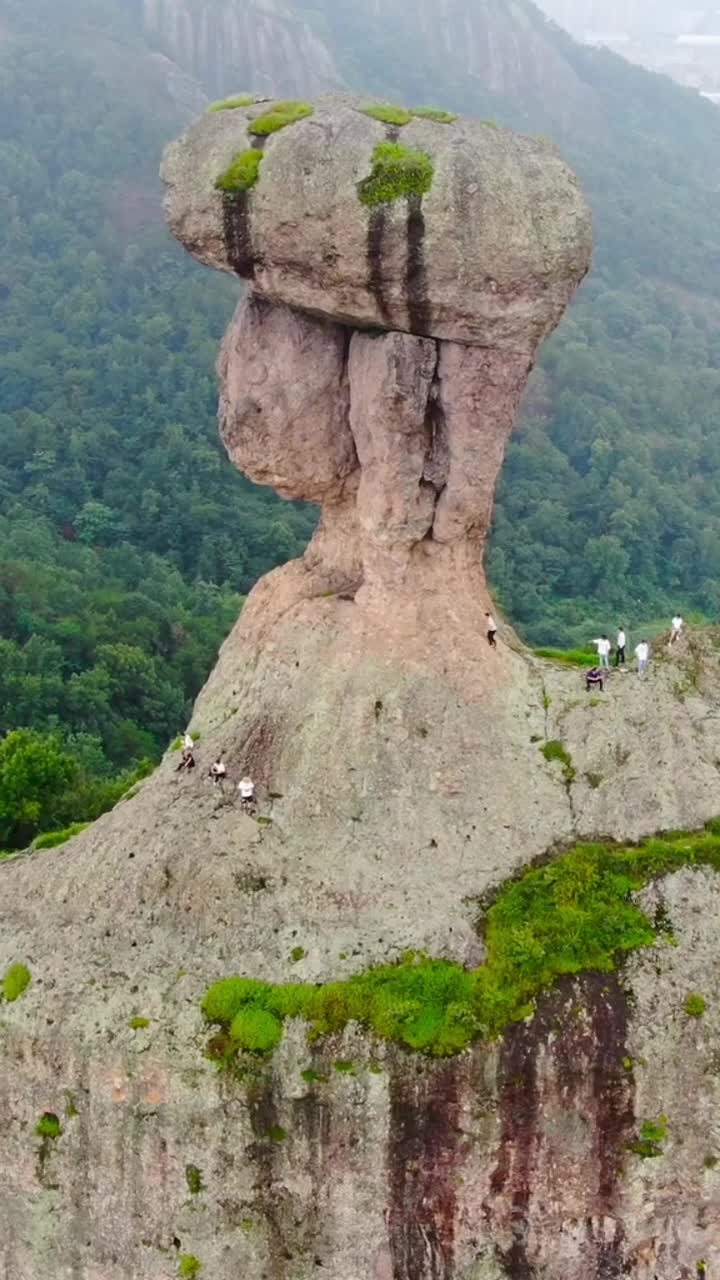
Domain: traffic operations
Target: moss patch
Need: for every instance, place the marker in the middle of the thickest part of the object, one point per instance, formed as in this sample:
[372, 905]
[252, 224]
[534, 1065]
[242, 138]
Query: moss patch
[232, 104]
[279, 116]
[652, 1135]
[436, 114]
[569, 657]
[297, 954]
[189, 1266]
[242, 174]
[397, 173]
[695, 1006]
[194, 1179]
[138, 1024]
[48, 1126]
[51, 839]
[16, 981]
[572, 915]
[554, 750]
[388, 114]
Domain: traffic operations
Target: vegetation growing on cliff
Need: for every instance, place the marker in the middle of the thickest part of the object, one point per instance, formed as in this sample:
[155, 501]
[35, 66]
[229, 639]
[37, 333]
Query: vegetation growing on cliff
[232, 104]
[242, 174]
[574, 914]
[16, 981]
[436, 114]
[397, 173]
[388, 114]
[279, 116]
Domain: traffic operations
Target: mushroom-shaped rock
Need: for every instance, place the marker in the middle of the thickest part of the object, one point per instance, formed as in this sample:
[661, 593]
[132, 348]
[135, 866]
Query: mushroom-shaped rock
[444, 227]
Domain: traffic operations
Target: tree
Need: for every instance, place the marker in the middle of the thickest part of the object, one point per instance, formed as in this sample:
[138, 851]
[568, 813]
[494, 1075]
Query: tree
[35, 772]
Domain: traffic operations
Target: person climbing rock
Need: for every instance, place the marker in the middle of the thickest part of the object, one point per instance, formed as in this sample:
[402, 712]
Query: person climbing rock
[246, 788]
[491, 630]
[593, 678]
[677, 626]
[620, 644]
[642, 653]
[187, 759]
[218, 772]
[187, 742]
[603, 646]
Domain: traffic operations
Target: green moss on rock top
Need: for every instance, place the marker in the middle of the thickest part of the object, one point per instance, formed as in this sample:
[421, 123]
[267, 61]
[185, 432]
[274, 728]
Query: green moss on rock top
[573, 915]
[386, 113]
[279, 116]
[242, 174]
[232, 104]
[436, 114]
[397, 173]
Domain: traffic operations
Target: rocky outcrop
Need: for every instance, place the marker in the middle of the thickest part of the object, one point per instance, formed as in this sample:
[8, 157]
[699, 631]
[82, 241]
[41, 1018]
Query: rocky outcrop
[405, 771]
[491, 254]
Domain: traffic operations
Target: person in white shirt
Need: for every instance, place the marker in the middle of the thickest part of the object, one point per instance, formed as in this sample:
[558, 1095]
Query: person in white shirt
[620, 644]
[642, 653]
[218, 772]
[491, 630]
[246, 787]
[187, 742]
[603, 647]
[677, 626]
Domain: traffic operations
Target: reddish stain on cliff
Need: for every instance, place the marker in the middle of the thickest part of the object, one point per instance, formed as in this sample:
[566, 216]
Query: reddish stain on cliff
[423, 1161]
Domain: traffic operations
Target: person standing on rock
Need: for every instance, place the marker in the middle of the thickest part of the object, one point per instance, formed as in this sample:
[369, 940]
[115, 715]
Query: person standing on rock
[677, 626]
[218, 772]
[603, 646]
[620, 644]
[246, 788]
[187, 742]
[491, 625]
[642, 653]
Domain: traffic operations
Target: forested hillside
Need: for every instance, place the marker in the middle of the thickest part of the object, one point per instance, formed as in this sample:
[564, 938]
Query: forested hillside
[127, 540]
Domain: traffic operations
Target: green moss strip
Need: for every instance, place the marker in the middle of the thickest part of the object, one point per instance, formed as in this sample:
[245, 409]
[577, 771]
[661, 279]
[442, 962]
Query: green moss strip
[573, 915]
[48, 1126]
[16, 980]
[569, 657]
[388, 114]
[242, 174]
[397, 172]
[232, 104]
[279, 116]
[436, 114]
[52, 839]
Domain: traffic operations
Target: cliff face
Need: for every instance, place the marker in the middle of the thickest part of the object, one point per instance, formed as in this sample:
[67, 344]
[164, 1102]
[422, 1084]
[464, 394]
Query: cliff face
[405, 770]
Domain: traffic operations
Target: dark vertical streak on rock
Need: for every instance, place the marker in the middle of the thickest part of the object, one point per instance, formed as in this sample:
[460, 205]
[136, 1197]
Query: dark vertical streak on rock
[614, 1116]
[237, 234]
[416, 287]
[518, 1138]
[263, 1114]
[376, 235]
[422, 1161]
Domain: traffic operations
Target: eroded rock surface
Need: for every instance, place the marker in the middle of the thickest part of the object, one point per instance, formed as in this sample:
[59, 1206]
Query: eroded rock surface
[492, 253]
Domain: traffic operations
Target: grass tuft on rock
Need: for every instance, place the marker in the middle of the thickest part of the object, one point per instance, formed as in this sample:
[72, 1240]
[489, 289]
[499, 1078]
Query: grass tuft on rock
[16, 981]
[397, 173]
[652, 1135]
[52, 839]
[242, 174]
[138, 1024]
[48, 1126]
[556, 751]
[386, 113]
[232, 104]
[695, 1005]
[575, 914]
[279, 116]
[569, 657]
[189, 1266]
[435, 113]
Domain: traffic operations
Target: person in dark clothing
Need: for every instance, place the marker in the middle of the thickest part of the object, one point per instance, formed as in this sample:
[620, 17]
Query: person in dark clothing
[491, 625]
[187, 760]
[620, 648]
[593, 678]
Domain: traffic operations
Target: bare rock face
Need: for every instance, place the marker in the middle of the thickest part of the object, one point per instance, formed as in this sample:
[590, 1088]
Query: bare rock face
[490, 254]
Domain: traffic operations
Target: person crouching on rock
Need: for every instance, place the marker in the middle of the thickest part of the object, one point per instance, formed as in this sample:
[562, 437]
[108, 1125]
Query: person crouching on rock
[246, 788]
[218, 772]
[593, 678]
[187, 759]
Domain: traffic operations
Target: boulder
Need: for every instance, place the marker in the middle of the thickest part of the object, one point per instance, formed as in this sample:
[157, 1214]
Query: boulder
[485, 244]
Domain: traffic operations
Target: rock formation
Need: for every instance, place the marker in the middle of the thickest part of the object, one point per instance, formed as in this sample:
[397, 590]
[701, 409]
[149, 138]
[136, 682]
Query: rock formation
[404, 769]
